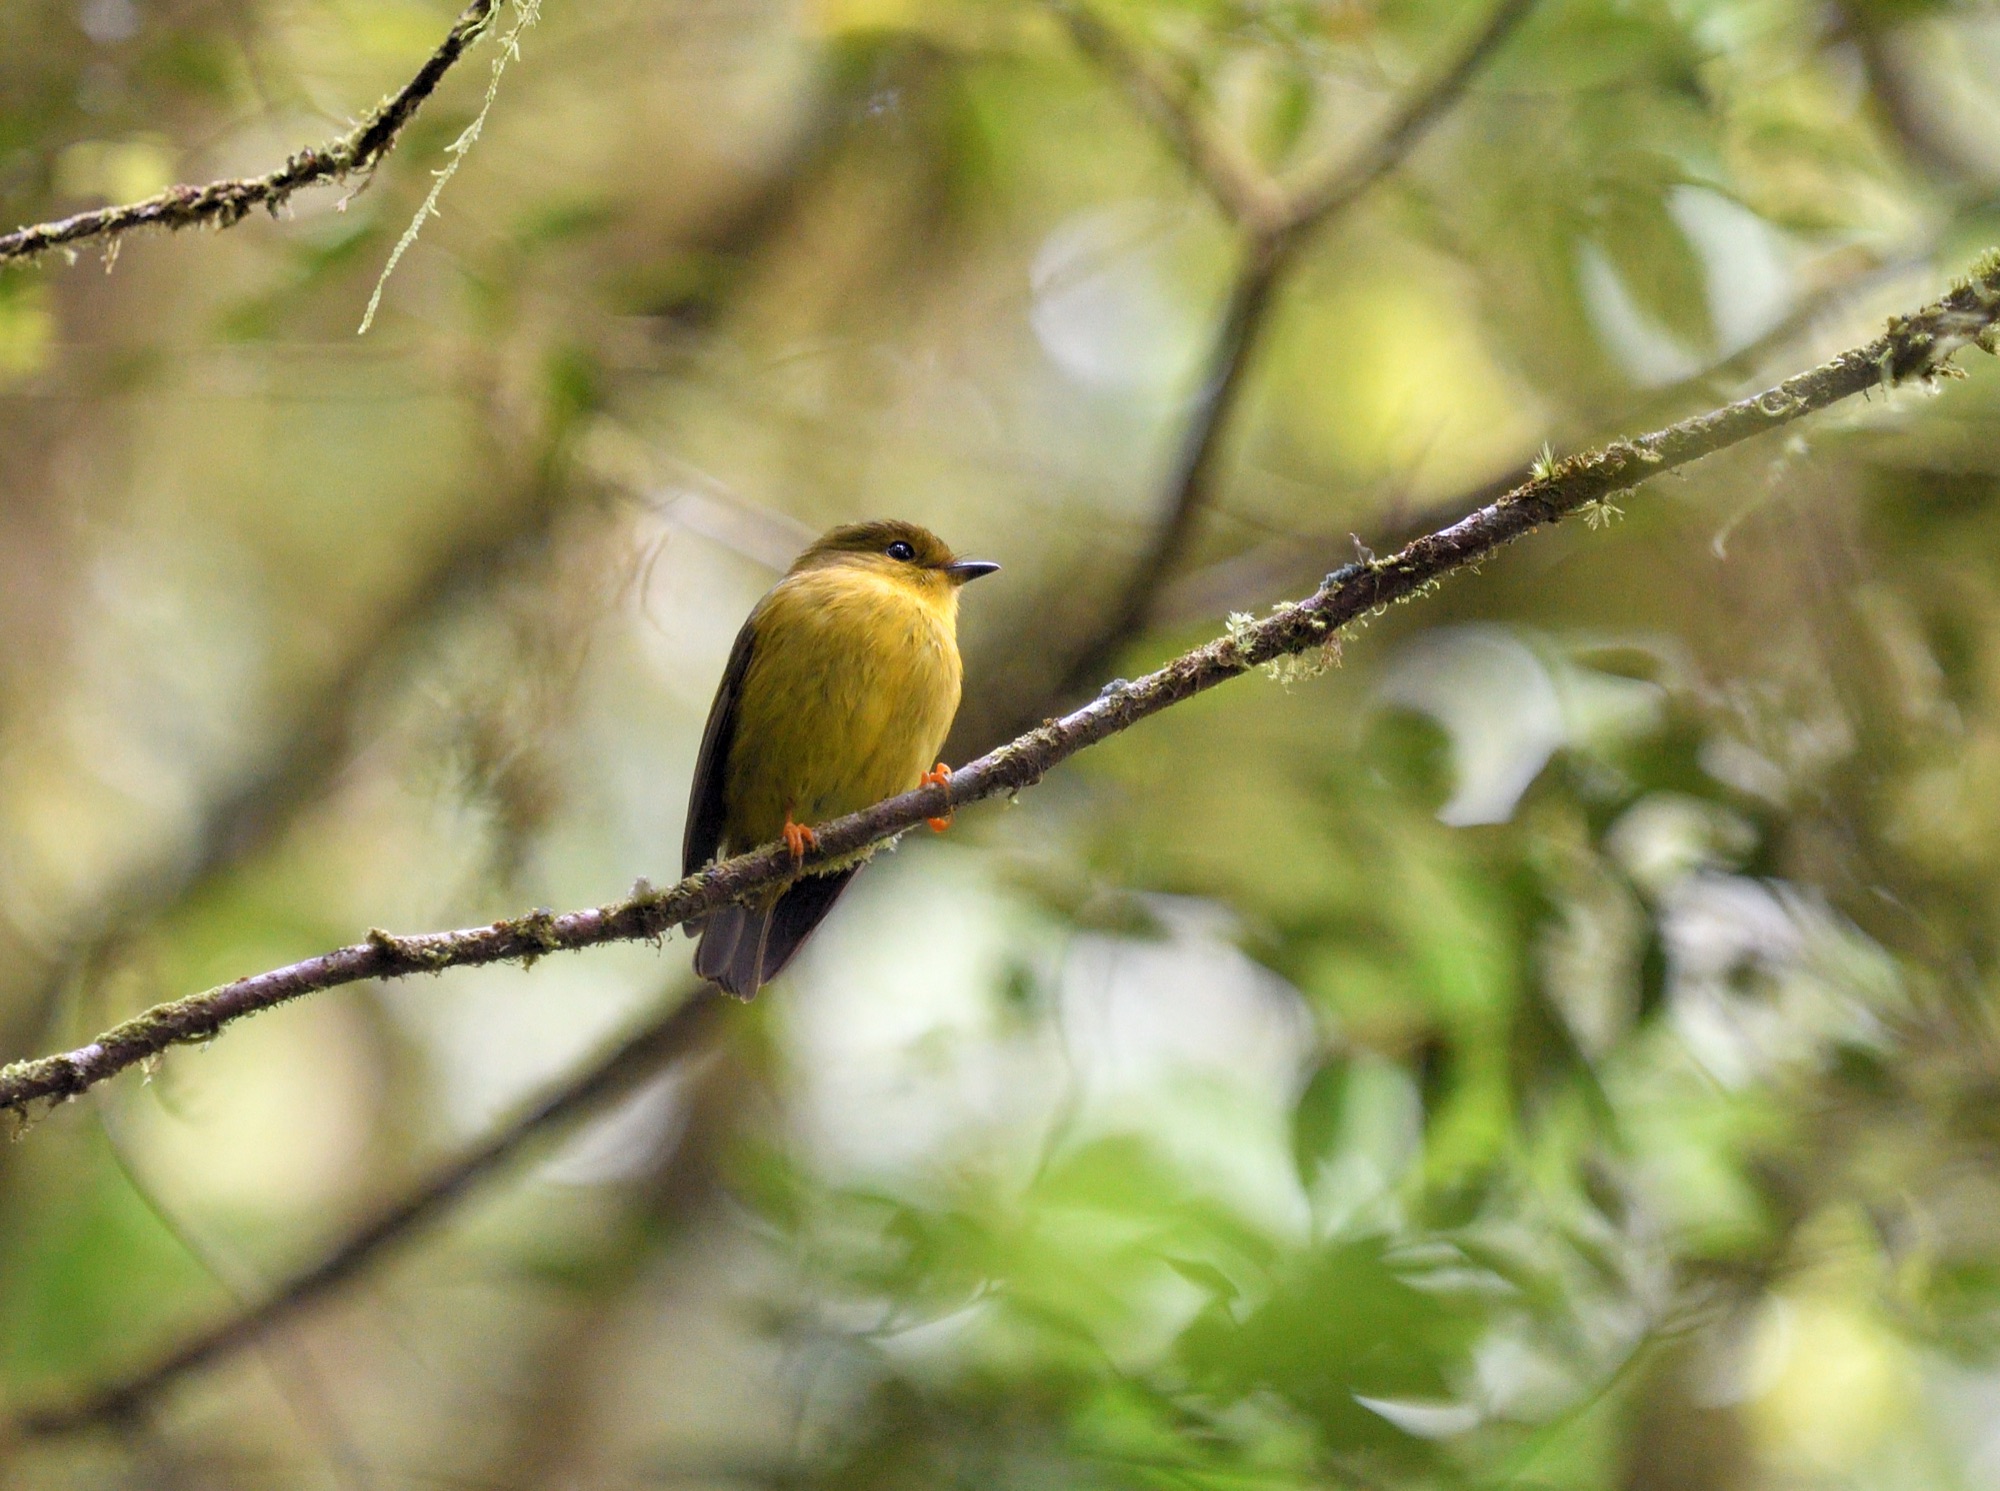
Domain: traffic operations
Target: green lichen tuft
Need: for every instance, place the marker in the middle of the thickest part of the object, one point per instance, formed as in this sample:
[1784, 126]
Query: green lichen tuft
[1303, 667]
[537, 927]
[21, 1117]
[1600, 513]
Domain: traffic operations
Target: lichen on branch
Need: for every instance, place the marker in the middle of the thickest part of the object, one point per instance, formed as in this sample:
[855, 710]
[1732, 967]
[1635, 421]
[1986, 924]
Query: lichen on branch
[527, 12]
[223, 204]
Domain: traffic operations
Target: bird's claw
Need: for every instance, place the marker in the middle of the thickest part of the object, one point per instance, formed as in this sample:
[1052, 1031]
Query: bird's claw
[799, 838]
[937, 776]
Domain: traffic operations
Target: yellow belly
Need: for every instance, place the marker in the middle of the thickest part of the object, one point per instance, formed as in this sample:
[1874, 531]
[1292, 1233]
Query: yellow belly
[850, 691]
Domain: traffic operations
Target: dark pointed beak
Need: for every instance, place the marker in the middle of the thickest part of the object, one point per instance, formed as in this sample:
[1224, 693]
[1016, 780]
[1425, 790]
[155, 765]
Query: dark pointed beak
[962, 570]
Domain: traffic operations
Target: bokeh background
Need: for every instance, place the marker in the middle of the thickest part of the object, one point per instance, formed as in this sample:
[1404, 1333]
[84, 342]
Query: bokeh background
[1553, 1048]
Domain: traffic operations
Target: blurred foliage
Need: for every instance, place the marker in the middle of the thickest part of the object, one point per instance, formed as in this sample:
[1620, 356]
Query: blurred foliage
[1554, 1048]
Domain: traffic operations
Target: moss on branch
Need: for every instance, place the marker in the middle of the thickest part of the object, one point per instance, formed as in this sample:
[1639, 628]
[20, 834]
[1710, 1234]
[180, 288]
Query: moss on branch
[1916, 347]
[223, 204]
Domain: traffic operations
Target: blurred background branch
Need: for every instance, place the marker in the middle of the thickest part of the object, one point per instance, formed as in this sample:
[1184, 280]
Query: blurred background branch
[1273, 219]
[687, 1027]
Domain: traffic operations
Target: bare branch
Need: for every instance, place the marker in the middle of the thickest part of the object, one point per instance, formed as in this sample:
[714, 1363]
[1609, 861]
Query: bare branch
[223, 204]
[616, 1074]
[1918, 346]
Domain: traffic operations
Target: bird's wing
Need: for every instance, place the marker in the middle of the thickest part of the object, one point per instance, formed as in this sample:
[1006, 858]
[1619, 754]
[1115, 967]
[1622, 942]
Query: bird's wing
[703, 838]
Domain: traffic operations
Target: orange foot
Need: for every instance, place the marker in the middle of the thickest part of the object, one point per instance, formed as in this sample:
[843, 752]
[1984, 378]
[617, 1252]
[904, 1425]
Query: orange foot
[937, 776]
[799, 838]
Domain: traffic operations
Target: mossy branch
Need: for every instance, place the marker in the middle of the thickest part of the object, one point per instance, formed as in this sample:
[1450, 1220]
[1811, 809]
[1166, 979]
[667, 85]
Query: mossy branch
[223, 204]
[1914, 347]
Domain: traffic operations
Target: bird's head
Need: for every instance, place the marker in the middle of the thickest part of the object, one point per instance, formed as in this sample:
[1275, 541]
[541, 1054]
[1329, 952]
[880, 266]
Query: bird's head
[900, 553]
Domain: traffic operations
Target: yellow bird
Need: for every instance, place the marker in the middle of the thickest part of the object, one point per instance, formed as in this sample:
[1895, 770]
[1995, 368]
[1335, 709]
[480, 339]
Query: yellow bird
[837, 694]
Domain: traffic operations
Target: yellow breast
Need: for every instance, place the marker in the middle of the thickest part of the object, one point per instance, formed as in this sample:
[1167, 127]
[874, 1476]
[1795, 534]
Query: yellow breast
[851, 688]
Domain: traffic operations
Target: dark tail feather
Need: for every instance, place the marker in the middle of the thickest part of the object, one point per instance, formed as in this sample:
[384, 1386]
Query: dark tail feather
[798, 911]
[743, 947]
[732, 948]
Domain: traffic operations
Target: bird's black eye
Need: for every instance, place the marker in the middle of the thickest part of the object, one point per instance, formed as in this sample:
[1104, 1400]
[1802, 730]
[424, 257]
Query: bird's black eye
[900, 550]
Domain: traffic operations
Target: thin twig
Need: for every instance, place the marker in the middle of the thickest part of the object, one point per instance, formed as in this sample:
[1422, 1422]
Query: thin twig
[618, 1073]
[1918, 346]
[1241, 187]
[223, 204]
[1274, 222]
[1324, 193]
